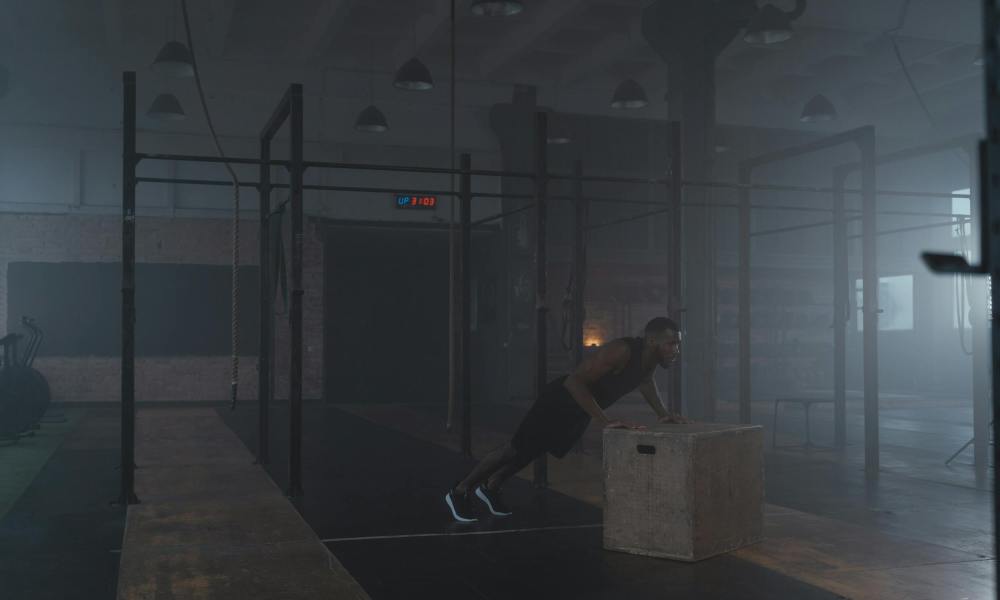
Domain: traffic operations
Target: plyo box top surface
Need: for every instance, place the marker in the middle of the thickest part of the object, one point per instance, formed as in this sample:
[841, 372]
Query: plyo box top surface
[689, 430]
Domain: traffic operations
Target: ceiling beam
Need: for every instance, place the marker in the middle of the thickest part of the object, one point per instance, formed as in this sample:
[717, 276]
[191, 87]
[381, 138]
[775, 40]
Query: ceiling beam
[525, 37]
[324, 23]
[427, 28]
[961, 87]
[601, 54]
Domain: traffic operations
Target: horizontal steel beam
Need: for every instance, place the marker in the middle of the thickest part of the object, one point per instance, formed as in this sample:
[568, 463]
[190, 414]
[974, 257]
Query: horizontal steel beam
[503, 214]
[280, 114]
[914, 228]
[491, 173]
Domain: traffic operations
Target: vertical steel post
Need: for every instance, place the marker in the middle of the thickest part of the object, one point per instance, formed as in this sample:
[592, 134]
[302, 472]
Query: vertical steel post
[979, 320]
[452, 274]
[841, 311]
[579, 261]
[264, 328]
[743, 293]
[295, 376]
[870, 313]
[127, 495]
[991, 212]
[541, 477]
[676, 308]
[465, 309]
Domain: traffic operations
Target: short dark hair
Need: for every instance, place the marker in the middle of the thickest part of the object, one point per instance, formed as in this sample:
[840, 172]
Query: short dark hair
[661, 325]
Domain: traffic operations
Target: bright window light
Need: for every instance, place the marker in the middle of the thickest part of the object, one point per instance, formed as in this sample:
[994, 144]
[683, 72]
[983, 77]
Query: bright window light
[961, 207]
[961, 281]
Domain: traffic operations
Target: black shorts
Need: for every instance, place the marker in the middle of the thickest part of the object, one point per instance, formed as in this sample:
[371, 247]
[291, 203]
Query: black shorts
[553, 424]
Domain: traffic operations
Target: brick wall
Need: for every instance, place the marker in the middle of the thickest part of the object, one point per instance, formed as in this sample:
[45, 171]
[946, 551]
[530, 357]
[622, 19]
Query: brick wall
[77, 238]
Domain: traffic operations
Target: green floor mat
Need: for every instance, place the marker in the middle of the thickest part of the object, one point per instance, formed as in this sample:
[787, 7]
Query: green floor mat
[21, 462]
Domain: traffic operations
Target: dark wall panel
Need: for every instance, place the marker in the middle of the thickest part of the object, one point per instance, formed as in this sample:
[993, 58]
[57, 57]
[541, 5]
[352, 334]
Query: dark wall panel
[181, 310]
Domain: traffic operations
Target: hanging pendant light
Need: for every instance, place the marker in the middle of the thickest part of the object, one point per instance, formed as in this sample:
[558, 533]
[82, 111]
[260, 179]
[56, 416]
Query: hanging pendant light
[166, 107]
[174, 60]
[558, 135]
[413, 75]
[558, 139]
[629, 94]
[371, 120]
[721, 143]
[819, 108]
[497, 8]
[769, 26]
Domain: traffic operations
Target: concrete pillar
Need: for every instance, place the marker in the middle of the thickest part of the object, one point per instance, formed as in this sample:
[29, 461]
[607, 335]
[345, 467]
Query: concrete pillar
[689, 35]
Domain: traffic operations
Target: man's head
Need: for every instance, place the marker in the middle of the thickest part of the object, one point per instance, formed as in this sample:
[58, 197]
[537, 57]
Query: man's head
[663, 337]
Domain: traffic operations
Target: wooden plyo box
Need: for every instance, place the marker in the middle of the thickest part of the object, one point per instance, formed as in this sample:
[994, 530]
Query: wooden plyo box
[685, 492]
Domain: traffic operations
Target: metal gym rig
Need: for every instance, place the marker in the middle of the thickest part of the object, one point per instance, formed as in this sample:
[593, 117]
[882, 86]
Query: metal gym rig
[290, 110]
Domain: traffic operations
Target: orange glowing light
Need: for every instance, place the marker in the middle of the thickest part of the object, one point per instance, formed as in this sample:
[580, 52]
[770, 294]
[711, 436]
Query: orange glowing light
[592, 341]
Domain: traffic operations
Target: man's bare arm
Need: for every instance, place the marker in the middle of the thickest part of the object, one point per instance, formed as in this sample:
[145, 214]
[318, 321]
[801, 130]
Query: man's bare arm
[651, 393]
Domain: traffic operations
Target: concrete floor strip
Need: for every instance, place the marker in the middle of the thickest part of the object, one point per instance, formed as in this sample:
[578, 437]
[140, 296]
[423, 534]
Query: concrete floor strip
[458, 533]
[212, 524]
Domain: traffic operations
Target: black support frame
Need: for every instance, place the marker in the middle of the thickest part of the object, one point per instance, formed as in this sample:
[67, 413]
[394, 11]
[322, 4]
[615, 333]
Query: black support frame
[127, 495]
[841, 277]
[463, 356]
[288, 110]
[675, 270]
[541, 465]
[864, 139]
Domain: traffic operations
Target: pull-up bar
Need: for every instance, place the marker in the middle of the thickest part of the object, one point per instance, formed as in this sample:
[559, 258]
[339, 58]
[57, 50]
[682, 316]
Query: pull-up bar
[774, 187]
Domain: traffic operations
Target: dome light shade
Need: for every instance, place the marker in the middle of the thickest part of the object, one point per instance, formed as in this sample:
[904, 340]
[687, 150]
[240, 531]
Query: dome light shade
[721, 144]
[371, 120]
[166, 107]
[819, 108]
[497, 8]
[558, 136]
[174, 60]
[629, 94]
[769, 26]
[413, 75]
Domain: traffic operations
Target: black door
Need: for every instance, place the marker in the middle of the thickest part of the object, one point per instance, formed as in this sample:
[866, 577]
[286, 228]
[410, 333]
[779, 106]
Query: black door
[386, 315]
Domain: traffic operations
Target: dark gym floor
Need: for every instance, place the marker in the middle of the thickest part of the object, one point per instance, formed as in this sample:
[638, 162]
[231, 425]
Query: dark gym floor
[58, 540]
[921, 530]
[363, 481]
[369, 478]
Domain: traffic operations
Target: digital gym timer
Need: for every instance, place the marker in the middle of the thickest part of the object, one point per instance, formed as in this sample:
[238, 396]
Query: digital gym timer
[407, 201]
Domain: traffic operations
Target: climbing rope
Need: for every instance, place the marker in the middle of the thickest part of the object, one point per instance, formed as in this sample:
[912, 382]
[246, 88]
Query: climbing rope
[234, 379]
[565, 337]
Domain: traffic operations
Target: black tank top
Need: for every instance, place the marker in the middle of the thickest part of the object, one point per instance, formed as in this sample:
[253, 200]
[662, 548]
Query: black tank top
[609, 389]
